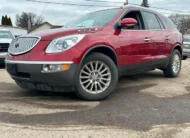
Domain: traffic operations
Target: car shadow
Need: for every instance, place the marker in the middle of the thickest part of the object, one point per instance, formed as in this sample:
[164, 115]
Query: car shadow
[2, 66]
[126, 108]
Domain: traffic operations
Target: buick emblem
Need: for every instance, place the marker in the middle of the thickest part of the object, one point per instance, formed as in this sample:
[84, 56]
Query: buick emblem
[16, 45]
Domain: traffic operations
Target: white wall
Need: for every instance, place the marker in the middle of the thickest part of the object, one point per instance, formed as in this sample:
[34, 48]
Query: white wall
[43, 27]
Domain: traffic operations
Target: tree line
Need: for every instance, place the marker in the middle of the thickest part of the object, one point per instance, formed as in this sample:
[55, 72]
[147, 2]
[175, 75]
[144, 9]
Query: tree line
[24, 20]
[5, 20]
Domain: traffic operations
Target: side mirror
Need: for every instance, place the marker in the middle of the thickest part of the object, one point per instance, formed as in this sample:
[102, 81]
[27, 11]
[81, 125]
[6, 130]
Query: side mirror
[128, 22]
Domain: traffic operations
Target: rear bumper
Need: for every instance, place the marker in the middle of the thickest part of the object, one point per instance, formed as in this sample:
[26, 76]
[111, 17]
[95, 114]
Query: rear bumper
[186, 52]
[29, 75]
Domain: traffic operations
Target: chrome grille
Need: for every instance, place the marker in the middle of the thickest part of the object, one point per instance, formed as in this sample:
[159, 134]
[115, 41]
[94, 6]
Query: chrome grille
[4, 47]
[23, 45]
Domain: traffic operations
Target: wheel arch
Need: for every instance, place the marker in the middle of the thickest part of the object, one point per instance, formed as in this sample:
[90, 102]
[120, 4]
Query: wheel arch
[106, 50]
[178, 47]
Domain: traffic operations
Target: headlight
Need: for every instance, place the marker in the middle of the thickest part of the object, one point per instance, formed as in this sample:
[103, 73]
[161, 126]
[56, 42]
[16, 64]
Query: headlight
[64, 43]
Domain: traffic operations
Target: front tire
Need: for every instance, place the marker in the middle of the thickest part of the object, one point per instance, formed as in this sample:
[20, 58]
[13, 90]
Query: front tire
[174, 67]
[97, 78]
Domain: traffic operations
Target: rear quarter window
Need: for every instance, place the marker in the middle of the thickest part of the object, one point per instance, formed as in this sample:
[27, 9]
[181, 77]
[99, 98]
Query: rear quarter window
[168, 22]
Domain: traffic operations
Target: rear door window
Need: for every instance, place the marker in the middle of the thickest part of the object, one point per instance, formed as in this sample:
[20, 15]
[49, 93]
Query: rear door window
[151, 21]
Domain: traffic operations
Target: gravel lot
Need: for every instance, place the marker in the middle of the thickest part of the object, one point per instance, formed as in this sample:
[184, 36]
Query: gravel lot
[142, 106]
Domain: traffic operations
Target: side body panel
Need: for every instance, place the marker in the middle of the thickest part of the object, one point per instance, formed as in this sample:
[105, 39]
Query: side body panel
[159, 46]
[136, 53]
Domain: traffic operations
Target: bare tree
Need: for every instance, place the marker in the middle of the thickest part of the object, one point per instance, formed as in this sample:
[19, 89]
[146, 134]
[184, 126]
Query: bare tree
[182, 22]
[28, 20]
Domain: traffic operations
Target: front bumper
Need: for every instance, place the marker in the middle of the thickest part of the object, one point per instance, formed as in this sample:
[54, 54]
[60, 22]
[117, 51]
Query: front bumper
[29, 75]
[3, 55]
[186, 52]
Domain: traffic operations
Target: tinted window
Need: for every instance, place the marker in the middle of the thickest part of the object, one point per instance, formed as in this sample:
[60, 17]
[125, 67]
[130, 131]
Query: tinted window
[151, 21]
[99, 18]
[168, 22]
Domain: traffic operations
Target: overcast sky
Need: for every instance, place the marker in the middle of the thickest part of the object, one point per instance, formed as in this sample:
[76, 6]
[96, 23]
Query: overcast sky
[60, 14]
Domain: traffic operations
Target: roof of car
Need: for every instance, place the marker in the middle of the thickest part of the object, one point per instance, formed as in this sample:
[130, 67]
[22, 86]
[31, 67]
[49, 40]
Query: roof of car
[16, 27]
[4, 29]
[140, 8]
[132, 7]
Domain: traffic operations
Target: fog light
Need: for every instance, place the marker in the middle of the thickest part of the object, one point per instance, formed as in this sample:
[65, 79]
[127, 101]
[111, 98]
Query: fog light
[55, 68]
[52, 68]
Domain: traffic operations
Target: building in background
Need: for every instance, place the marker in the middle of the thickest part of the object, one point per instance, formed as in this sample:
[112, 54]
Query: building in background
[44, 26]
[17, 31]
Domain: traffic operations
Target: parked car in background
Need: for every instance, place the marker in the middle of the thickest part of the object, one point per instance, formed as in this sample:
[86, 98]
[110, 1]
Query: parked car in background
[186, 47]
[16, 31]
[91, 54]
[6, 38]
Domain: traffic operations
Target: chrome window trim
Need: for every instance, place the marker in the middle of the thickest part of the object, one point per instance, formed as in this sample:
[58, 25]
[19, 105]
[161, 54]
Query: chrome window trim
[37, 62]
[18, 53]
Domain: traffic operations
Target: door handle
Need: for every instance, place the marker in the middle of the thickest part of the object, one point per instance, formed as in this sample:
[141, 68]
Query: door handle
[167, 38]
[147, 39]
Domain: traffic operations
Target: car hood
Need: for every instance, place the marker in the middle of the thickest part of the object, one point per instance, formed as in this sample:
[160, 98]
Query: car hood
[60, 32]
[5, 40]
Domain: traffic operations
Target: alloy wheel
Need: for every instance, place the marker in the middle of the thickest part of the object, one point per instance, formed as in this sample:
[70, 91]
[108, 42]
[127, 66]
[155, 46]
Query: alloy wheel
[176, 63]
[95, 77]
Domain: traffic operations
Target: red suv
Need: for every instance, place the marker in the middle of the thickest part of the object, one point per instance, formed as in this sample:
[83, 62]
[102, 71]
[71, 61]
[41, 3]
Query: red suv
[90, 54]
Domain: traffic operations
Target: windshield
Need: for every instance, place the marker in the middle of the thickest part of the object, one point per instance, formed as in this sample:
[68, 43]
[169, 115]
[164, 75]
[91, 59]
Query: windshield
[186, 40]
[99, 18]
[6, 34]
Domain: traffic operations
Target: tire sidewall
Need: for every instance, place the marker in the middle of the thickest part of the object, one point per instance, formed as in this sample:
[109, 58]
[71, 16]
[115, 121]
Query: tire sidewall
[114, 78]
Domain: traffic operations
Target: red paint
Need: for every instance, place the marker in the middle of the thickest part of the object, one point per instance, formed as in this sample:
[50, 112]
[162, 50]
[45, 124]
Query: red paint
[128, 21]
[129, 45]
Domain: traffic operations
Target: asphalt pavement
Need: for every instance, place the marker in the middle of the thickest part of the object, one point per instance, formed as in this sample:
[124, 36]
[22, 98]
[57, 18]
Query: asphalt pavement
[144, 105]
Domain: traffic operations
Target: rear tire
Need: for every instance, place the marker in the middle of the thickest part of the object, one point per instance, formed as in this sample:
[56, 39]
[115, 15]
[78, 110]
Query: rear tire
[174, 67]
[185, 57]
[94, 83]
